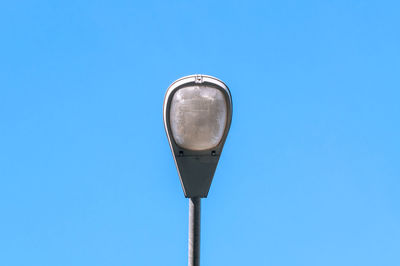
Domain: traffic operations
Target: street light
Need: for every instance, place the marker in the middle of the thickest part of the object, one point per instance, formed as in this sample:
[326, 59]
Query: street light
[197, 117]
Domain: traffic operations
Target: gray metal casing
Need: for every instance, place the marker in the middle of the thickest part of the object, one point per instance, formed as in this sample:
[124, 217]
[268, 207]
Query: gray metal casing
[196, 168]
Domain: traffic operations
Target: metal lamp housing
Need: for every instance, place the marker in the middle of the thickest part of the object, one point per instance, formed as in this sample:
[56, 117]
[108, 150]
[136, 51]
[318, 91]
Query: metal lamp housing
[196, 155]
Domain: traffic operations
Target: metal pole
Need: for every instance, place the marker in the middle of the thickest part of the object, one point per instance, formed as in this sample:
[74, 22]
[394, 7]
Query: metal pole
[194, 231]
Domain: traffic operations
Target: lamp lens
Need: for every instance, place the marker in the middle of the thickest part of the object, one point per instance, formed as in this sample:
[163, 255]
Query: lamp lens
[198, 117]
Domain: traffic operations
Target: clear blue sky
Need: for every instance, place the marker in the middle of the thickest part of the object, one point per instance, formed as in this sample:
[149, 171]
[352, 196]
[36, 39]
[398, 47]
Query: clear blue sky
[310, 173]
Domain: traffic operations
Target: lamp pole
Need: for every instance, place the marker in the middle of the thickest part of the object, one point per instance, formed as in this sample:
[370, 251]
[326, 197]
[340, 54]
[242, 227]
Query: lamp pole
[194, 231]
[197, 116]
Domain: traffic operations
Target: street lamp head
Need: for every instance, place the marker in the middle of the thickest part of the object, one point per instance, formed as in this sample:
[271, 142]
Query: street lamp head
[197, 117]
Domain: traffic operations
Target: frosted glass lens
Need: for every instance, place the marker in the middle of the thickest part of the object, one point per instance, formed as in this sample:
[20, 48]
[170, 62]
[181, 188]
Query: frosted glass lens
[198, 117]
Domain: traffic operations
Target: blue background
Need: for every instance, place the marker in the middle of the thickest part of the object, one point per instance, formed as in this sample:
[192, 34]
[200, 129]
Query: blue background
[310, 170]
